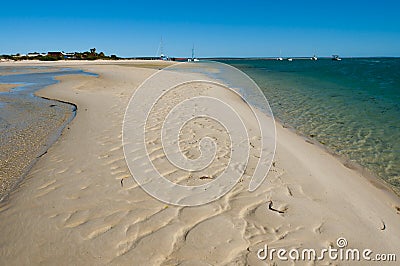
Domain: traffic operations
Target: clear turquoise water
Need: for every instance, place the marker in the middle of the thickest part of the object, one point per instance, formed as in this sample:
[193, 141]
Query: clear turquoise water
[351, 106]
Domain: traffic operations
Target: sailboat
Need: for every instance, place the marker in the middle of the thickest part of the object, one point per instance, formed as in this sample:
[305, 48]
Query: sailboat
[193, 59]
[335, 57]
[280, 56]
[160, 50]
[314, 57]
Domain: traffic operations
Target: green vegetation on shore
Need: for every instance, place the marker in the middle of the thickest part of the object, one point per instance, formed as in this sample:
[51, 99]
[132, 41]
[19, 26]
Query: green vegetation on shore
[55, 56]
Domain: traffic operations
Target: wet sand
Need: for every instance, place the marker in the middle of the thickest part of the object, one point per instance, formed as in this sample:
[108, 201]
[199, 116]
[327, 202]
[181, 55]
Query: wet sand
[28, 127]
[28, 124]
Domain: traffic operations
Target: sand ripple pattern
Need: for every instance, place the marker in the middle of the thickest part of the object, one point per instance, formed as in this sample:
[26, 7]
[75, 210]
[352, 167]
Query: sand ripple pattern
[185, 120]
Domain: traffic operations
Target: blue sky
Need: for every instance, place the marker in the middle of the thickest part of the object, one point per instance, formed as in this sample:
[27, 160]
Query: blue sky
[216, 28]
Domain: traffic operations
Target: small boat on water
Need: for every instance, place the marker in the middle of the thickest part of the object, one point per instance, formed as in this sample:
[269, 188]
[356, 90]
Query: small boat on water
[290, 59]
[335, 57]
[314, 58]
[280, 58]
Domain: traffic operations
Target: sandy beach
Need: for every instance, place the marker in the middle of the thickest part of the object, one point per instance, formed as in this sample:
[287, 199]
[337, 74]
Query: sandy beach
[79, 205]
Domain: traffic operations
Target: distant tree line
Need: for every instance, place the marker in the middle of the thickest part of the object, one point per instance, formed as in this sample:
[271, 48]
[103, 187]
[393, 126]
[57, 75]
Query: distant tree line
[55, 56]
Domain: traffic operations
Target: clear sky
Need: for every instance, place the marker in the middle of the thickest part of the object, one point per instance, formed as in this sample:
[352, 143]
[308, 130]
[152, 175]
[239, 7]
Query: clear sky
[217, 28]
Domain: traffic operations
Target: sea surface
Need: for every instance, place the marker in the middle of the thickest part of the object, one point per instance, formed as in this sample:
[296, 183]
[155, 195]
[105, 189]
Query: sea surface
[350, 106]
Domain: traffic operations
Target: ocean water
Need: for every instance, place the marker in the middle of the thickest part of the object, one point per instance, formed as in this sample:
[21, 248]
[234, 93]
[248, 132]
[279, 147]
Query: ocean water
[351, 106]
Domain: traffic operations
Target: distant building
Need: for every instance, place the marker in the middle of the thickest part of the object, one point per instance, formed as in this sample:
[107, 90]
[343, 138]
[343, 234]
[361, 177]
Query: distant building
[69, 55]
[55, 54]
[33, 54]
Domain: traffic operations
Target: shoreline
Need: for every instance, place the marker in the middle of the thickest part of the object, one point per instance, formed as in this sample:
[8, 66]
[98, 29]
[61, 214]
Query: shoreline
[14, 172]
[81, 205]
[366, 173]
[347, 162]
[52, 138]
[370, 175]
[155, 64]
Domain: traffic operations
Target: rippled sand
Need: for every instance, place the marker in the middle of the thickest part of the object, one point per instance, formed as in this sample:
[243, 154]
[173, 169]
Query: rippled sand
[80, 206]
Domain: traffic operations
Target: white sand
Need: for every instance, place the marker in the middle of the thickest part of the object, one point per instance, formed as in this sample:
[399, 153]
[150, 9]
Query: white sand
[72, 210]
